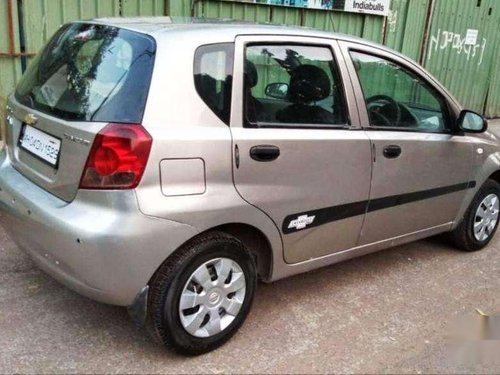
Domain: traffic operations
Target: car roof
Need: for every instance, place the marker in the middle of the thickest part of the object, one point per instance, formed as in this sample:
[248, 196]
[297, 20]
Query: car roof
[210, 30]
[157, 26]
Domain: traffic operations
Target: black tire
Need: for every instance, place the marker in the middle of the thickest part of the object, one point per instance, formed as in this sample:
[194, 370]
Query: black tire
[463, 235]
[166, 286]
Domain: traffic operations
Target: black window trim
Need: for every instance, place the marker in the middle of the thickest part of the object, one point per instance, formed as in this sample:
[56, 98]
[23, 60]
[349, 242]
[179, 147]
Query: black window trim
[229, 48]
[278, 125]
[448, 118]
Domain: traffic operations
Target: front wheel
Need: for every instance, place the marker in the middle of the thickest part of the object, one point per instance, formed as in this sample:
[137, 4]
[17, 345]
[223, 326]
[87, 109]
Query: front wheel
[202, 294]
[480, 221]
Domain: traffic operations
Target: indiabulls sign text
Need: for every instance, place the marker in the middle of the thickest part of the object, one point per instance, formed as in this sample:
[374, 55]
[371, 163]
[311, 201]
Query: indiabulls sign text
[377, 7]
[380, 7]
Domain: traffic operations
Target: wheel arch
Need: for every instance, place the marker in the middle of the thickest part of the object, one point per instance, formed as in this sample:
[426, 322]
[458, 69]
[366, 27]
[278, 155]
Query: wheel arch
[256, 242]
[253, 238]
[489, 168]
[495, 176]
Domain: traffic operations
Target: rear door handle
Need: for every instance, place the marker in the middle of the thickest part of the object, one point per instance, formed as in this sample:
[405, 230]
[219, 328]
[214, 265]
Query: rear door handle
[392, 151]
[264, 153]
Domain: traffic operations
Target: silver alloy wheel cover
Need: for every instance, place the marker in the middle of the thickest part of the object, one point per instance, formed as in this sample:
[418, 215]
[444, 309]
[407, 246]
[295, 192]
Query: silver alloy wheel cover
[486, 217]
[212, 297]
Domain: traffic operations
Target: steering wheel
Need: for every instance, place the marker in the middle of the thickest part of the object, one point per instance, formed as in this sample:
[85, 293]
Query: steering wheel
[391, 103]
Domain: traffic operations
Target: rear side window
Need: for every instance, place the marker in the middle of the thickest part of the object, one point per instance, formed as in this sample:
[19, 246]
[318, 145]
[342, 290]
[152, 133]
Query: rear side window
[213, 66]
[91, 72]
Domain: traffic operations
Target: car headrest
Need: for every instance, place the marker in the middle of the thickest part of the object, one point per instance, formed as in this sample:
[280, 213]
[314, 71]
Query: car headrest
[251, 77]
[308, 83]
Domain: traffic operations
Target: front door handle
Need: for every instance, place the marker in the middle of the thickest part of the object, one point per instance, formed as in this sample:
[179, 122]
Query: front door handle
[392, 151]
[264, 153]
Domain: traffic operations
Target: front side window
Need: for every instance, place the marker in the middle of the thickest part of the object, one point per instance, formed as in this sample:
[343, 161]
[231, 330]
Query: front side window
[292, 84]
[397, 98]
[213, 65]
[90, 72]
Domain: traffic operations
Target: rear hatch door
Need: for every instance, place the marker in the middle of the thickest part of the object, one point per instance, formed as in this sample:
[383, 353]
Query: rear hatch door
[87, 76]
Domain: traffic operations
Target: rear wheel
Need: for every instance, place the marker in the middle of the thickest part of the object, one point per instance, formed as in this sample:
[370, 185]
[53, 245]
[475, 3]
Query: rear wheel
[480, 221]
[202, 294]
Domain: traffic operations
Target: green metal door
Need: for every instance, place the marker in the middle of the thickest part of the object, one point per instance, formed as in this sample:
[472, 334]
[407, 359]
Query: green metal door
[465, 65]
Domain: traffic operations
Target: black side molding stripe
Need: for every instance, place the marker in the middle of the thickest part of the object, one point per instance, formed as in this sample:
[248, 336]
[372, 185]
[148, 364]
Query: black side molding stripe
[325, 215]
[309, 219]
[396, 200]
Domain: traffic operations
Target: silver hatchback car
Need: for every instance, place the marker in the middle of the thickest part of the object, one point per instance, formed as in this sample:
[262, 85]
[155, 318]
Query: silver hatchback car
[167, 167]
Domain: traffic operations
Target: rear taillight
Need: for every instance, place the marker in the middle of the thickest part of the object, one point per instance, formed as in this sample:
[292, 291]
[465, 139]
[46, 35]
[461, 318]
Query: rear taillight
[118, 157]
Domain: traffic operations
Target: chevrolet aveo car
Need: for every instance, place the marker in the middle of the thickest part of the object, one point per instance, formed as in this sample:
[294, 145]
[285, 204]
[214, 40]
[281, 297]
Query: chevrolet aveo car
[167, 167]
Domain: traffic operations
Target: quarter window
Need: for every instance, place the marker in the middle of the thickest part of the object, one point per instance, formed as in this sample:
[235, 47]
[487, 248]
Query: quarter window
[292, 84]
[397, 98]
[213, 65]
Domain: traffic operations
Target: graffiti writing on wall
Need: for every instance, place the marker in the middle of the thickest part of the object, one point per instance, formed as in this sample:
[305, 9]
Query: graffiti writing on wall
[446, 40]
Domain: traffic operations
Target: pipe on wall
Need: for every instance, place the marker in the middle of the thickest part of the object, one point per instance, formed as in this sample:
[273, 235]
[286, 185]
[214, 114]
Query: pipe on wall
[10, 23]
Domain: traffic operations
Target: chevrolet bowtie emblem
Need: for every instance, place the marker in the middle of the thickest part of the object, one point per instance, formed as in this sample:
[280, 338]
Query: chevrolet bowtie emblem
[301, 222]
[30, 119]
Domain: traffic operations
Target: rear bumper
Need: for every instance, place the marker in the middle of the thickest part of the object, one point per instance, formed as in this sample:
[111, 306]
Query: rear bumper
[100, 245]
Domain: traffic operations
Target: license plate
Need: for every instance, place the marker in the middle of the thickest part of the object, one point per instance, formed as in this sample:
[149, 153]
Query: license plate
[40, 144]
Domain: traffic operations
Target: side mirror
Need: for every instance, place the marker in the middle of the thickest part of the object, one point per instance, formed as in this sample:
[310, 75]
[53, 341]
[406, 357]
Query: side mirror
[472, 122]
[277, 90]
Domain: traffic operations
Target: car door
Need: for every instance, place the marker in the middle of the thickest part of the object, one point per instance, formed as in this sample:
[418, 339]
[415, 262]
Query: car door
[421, 165]
[299, 154]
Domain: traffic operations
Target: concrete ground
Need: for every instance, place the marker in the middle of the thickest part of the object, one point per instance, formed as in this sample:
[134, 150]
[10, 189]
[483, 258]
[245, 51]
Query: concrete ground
[386, 312]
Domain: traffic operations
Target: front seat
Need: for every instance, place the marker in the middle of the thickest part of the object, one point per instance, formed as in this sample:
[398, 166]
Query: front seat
[308, 85]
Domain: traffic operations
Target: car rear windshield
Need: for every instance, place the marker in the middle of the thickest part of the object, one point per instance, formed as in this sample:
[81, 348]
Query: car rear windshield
[90, 72]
